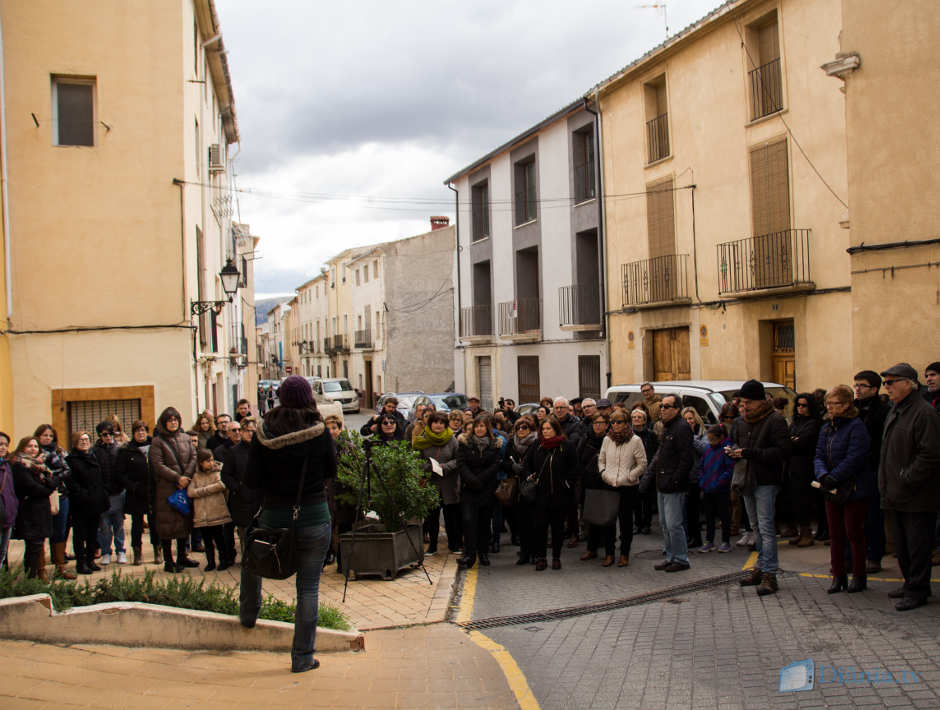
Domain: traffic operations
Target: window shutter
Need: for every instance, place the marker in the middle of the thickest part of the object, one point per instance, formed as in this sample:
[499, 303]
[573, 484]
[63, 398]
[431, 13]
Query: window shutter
[770, 189]
[660, 218]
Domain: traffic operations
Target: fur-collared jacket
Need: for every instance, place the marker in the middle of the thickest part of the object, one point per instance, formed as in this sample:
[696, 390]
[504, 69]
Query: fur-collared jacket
[478, 461]
[286, 439]
[208, 494]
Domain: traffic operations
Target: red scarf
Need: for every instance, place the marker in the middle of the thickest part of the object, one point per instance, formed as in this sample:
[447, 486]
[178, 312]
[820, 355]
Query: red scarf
[553, 442]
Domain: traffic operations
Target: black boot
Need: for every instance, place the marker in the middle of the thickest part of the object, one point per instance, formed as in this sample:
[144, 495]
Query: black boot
[168, 564]
[484, 559]
[210, 557]
[81, 565]
[838, 584]
[859, 583]
[182, 560]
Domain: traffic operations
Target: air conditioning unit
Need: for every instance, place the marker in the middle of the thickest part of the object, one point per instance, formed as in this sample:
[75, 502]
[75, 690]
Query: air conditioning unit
[216, 159]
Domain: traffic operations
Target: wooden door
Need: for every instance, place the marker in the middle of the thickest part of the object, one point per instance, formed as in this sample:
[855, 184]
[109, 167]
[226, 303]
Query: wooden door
[671, 354]
[527, 367]
[783, 353]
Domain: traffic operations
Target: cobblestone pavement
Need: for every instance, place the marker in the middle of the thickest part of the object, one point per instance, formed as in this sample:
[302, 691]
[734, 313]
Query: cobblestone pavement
[423, 667]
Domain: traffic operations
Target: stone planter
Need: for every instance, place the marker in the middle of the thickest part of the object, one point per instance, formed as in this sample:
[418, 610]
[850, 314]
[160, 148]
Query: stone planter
[373, 550]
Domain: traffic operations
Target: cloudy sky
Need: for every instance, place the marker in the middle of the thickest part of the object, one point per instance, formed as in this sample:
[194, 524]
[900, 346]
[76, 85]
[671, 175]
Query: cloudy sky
[352, 115]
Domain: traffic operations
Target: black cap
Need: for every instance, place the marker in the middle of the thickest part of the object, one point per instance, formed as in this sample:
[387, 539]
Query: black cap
[903, 370]
[603, 403]
[752, 389]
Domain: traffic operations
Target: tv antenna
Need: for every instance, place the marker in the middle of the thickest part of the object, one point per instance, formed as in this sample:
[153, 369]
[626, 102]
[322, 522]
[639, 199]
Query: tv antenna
[659, 6]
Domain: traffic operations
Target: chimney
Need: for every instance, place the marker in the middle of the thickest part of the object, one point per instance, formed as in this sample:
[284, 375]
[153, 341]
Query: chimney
[439, 222]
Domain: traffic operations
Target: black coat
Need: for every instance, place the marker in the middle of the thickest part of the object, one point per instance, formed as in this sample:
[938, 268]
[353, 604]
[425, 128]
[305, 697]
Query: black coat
[87, 495]
[220, 451]
[804, 433]
[107, 459]
[908, 477]
[765, 445]
[243, 502]
[675, 458]
[587, 461]
[557, 471]
[478, 469]
[34, 519]
[873, 411]
[134, 470]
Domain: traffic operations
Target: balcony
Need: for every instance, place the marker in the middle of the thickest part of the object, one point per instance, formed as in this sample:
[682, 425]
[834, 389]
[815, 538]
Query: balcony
[766, 89]
[579, 307]
[657, 281]
[337, 345]
[777, 261]
[520, 320]
[657, 137]
[476, 323]
[362, 339]
[326, 346]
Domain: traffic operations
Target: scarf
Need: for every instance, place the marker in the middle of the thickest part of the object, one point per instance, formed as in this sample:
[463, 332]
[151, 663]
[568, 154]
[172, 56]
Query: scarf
[552, 442]
[523, 445]
[481, 442]
[766, 407]
[620, 437]
[427, 438]
[32, 463]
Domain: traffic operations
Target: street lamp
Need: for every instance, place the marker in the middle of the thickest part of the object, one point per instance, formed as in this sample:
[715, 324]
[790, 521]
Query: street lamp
[229, 276]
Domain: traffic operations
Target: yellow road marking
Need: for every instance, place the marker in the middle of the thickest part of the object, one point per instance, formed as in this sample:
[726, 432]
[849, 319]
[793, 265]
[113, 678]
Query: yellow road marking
[507, 664]
[751, 561]
[870, 579]
[514, 675]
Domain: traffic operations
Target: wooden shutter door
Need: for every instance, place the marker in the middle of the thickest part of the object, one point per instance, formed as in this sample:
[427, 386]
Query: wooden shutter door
[770, 202]
[660, 215]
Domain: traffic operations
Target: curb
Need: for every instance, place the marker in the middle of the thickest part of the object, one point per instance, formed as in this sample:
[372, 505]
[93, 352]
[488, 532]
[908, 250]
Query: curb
[33, 618]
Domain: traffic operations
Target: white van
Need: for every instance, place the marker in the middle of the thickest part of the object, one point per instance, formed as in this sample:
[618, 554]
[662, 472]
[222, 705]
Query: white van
[706, 396]
[338, 390]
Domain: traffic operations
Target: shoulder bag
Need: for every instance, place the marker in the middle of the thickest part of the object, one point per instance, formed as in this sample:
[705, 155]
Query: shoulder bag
[272, 552]
[507, 490]
[600, 506]
[529, 486]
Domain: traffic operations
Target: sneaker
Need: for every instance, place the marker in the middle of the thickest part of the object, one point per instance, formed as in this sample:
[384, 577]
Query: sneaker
[430, 552]
[745, 540]
[725, 547]
[105, 559]
[122, 558]
[707, 547]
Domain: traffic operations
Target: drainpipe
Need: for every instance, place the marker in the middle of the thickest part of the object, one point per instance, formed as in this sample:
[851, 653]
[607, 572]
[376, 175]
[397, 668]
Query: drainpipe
[457, 240]
[601, 232]
[7, 234]
[181, 184]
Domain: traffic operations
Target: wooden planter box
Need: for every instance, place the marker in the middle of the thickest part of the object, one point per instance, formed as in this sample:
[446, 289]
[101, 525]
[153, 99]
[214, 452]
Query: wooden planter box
[373, 550]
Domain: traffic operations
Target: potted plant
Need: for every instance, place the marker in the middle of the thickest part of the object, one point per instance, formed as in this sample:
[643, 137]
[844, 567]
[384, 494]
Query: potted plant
[398, 489]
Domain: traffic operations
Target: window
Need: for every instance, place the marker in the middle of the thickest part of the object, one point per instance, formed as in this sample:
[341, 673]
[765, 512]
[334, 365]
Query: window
[85, 415]
[657, 119]
[763, 51]
[357, 277]
[365, 274]
[583, 146]
[197, 141]
[770, 188]
[375, 269]
[73, 111]
[660, 219]
[527, 369]
[524, 174]
[480, 199]
[589, 376]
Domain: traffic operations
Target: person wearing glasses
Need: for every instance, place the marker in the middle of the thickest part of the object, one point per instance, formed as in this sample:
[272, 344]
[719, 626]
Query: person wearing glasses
[670, 470]
[112, 520]
[622, 463]
[908, 481]
[134, 470]
[515, 463]
[872, 410]
[88, 499]
[932, 390]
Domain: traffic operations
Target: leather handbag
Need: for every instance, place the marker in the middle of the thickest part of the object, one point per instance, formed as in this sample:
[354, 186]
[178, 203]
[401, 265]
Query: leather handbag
[507, 490]
[600, 506]
[272, 552]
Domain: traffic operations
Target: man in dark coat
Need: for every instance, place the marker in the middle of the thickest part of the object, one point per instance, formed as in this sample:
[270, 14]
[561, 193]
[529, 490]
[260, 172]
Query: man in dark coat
[112, 520]
[571, 425]
[670, 470]
[909, 483]
[873, 411]
[234, 434]
[932, 390]
[762, 446]
[243, 502]
[220, 437]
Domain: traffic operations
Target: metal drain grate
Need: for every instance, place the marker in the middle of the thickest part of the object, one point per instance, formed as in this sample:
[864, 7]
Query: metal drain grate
[599, 607]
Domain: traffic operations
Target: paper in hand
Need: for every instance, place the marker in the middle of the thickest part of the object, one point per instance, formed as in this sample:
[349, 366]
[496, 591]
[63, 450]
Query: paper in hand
[436, 467]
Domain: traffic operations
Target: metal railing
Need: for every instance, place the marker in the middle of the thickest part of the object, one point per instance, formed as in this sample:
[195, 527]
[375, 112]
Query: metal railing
[766, 89]
[579, 304]
[476, 320]
[657, 137]
[519, 316]
[363, 338]
[338, 344]
[326, 345]
[657, 280]
[774, 260]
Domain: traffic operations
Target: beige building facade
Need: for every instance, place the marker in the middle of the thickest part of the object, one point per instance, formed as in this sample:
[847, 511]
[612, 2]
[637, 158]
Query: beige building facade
[724, 173]
[118, 121]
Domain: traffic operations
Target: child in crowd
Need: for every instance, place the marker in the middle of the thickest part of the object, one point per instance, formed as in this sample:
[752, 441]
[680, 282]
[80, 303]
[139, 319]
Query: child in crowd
[714, 479]
[210, 511]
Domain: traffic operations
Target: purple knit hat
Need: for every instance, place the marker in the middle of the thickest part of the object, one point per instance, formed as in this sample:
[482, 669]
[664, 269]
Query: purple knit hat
[295, 392]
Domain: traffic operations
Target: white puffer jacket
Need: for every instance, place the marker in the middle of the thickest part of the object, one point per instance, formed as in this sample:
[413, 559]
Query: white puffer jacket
[622, 465]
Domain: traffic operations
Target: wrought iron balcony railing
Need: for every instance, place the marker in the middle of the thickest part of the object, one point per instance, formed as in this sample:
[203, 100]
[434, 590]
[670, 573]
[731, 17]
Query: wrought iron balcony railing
[775, 260]
[657, 137]
[658, 280]
[476, 321]
[766, 89]
[579, 305]
[337, 344]
[363, 339]
[520, 317]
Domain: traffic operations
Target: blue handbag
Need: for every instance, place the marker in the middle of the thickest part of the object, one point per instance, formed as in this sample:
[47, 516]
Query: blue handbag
[180, 501]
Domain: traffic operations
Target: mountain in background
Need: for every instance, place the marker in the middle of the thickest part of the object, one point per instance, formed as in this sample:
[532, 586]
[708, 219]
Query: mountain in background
[266, 304]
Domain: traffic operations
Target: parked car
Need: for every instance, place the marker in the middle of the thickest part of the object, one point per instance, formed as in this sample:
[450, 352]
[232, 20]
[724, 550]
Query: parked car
[406, 401]
[445, 401]
[706, 396]
[337, 389]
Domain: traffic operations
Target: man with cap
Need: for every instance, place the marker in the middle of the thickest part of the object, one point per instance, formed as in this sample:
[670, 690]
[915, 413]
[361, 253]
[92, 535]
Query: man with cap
[932, 390]
[909, 483]
[762, 446]
[603, 406]
[473, 404]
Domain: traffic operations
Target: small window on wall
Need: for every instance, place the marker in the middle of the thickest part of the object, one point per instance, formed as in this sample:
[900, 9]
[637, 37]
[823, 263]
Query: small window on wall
[73, 111]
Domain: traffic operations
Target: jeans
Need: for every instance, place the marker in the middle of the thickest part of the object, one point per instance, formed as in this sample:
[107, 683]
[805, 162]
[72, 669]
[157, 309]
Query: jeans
[112, 524]
[5, 534]
[313, 543]
[761, 507]
[60, 521]
[671, 513]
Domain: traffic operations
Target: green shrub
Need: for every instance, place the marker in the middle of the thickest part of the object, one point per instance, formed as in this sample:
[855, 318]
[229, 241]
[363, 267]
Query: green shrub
[182, 592]
[401, 491]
